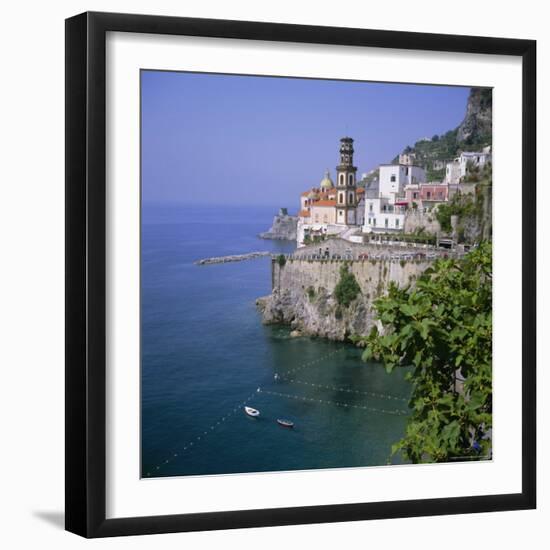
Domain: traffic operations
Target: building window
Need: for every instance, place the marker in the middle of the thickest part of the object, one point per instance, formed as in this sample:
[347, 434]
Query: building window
[341, 199]
[370, 207]
[392, 179]
[342, 181]
[396, 222]
[374, 222]
[415, 195]
[386, 222]
[429, 195]
[351, 179]
[351, 198]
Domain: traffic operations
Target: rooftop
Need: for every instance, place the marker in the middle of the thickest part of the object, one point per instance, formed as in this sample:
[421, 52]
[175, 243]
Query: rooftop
[324, 203]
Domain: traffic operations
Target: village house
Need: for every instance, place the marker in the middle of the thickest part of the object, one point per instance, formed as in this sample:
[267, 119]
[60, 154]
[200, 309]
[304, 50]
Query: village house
[394, 177]
[457, 169]
[407, 158]
[383, 216]
[425, 195]
[386, 205]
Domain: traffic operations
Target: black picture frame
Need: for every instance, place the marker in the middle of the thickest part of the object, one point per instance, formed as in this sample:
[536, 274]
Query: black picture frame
[86, 274]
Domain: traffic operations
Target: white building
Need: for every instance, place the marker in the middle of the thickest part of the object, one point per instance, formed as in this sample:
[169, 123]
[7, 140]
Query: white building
[407, 158]
[394, 177]
[476, 159]
[452, 172]
[458, 168]
[382, 216]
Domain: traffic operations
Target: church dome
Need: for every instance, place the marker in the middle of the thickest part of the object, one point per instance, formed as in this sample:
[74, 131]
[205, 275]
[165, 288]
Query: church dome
[326, 182]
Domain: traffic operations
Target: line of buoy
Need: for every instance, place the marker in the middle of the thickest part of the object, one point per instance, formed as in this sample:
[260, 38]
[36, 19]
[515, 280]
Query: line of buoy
[396, 412]
[344, 390]
[307, 364]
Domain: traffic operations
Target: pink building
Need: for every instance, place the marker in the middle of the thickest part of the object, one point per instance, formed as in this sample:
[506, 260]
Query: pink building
[434, 192]
[424, 194]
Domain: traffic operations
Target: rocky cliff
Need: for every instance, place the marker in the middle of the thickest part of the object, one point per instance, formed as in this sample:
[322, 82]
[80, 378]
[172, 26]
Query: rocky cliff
[477, 124]
[283, 227]
[303, 294]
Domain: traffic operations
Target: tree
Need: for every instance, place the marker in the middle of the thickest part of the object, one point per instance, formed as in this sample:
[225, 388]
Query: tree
[281, 260]
[347, 288]
[443, 328]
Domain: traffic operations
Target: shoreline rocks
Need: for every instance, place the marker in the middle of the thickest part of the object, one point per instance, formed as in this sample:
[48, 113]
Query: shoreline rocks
[284, 227]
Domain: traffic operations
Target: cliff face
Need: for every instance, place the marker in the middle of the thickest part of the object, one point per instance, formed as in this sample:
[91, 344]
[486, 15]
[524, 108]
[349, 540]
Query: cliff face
[477, 124]
[284, 227]
[303, 295]
[416, 220]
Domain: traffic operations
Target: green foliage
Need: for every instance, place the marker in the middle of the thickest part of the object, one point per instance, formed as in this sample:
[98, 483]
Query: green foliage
[462, 206]
[311, 293]
[471, 209]
[435, 175]
[443, 328]
[440, 148]
[316, 239]
[347, 288]
[281, 260]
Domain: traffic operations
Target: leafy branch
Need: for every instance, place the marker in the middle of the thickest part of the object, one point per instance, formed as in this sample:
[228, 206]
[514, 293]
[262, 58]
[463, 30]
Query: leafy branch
[443, 328]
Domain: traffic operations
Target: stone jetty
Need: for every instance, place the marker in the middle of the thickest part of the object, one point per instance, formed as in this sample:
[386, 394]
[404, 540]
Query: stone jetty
[232, 258]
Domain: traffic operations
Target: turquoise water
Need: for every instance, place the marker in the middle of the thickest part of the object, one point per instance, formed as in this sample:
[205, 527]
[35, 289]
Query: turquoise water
[205, 353]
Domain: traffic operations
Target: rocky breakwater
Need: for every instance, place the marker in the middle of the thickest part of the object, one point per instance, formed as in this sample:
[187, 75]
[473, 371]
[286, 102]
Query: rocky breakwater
[303, 294]
[284, 227]
[232, 258]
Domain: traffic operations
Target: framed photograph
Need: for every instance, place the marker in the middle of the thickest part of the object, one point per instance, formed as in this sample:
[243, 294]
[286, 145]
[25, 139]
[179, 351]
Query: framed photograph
[300, 274]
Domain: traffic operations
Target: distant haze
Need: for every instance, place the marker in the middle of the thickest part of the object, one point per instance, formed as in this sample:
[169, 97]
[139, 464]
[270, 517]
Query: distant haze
[245, 140]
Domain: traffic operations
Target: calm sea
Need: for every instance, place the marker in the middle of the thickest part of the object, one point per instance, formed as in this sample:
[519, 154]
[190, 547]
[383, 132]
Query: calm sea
[205, 353]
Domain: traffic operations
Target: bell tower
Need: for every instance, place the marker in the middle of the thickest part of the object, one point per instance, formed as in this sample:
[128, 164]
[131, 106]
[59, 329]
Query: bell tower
[346, 191]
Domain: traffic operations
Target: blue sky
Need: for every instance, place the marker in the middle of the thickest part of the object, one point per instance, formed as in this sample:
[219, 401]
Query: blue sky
[246, 140]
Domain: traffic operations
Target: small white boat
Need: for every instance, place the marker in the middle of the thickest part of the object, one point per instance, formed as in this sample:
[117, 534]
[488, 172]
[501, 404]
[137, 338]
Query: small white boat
[252, 412]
